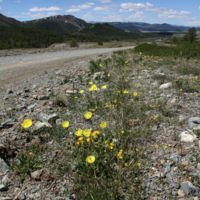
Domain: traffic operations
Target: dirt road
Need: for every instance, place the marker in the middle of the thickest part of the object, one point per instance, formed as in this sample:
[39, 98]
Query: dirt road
[20, 70]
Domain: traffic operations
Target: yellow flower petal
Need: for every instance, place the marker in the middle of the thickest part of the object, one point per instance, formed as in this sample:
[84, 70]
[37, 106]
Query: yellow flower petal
[135, 94]
[90, 159]
[87, 132]
[88, 115]
[79, 132]
[104, 87]
[103, 124]
[65, 124]
[27, 123]
[81, 91]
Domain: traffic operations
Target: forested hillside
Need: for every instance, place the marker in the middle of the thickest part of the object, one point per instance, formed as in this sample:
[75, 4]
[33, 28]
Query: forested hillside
[17, 37]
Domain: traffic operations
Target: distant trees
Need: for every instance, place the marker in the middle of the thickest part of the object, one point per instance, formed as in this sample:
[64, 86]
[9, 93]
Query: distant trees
[191, 35]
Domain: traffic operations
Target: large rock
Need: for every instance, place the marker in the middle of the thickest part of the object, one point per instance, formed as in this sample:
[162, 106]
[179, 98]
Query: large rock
[189, 188]
[186, 136]
[194, 122]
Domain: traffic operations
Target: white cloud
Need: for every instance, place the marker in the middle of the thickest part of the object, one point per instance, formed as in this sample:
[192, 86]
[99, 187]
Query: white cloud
[87, 16]
[104, 8]
[133, 7]
[17, 1]
[174, 14]
[105, 1]
[137, 16]
[52, 8]
[113, 18]
[80, 7]
[1, 0]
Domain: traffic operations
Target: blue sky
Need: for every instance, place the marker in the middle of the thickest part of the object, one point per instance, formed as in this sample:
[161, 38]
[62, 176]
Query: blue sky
[177, 12]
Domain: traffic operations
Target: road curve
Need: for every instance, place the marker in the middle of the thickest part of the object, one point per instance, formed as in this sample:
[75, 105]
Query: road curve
[20, 70]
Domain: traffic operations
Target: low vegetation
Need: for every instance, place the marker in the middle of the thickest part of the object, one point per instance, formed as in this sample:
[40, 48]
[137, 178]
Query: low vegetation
[106, 133]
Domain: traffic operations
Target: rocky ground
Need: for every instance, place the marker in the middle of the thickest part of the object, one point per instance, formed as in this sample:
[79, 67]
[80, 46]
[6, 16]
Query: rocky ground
[172, 168]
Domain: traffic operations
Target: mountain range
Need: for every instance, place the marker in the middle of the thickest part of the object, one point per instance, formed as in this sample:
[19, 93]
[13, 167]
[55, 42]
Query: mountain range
[70, 24]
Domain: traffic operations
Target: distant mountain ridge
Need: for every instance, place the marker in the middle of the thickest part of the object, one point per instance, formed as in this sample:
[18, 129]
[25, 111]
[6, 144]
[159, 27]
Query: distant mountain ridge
[58, 23]
[8, 21]
[71, 24]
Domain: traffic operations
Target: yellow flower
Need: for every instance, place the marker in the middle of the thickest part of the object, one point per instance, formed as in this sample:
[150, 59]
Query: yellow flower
[112, 144]
[138, 164]
[135, 94]
[30, 153]
[140, 53]
[93, 88]
[77, 143]
[104, 87]
[90, 82]
[27, 123]
[80, 138]
[88, 115]
[65, 124]
[108, 74]
[87, 132]
[136, 149]
[139, 77]
[96, 132]
[94, 135]
[165, 147]
[125, 91]
[103, 124]
[88, 139]
[126, 164]
[120, 157]
[90, 159]
[79, 132]
[81, 91]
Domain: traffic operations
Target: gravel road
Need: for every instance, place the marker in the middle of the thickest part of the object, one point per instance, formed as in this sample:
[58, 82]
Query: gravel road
[17, 71]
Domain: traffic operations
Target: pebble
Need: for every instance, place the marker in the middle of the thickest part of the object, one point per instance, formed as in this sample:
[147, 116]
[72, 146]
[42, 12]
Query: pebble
[165, 85]
[186, 136]
[3, 165]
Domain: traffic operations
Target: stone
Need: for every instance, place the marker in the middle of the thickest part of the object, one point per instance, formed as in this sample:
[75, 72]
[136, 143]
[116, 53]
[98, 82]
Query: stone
[189, 188]
[22, 197]
[6, 198]
[47, 118]
[39, 125]
[198, 166]
[181, 117]
[165, 85]
[186, 136]
[3, 187]
[71, 91]
[98, 74]
[181, 193]
[6, 180]
[37, 174]
[31, 107]
[193, 122]
[26, 90]
[3, 166]
[9, 91]
[59, 121]
[43, 97]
